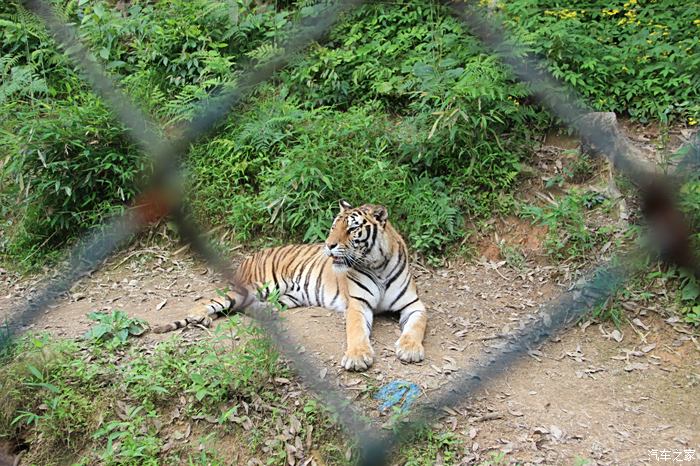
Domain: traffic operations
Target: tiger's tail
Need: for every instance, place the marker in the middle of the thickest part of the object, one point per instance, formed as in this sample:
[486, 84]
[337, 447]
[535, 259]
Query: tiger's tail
[205, 314]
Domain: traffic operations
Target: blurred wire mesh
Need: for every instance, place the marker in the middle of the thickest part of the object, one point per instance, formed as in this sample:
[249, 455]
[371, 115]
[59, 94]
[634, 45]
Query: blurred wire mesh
[162, 196]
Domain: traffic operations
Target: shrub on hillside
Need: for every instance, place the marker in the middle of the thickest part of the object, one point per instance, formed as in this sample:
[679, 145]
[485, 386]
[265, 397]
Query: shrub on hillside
[640, 58]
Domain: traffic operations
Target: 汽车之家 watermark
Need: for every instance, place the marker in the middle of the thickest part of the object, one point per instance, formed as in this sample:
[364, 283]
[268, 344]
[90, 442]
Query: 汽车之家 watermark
[675, 455]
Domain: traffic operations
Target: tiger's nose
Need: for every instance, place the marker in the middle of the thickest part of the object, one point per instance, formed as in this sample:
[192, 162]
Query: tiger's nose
[329, 248]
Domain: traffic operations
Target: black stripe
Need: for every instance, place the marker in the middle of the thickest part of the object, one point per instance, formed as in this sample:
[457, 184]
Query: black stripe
[298, 274]
[307, 276]
[386, 258]
[366, 274]
[319, 278]
[292, 260]
[359, 283]
[274, 260]
[364, 300]
[404, 307]
[286, 285]
[401, 266]
[296, 301]
[337, 292]
[401, 293]
[301, 259]
[404, 319]
[374, 235]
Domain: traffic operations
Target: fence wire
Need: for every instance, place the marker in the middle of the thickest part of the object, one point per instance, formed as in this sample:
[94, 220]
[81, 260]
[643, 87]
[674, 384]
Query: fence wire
[162, 195]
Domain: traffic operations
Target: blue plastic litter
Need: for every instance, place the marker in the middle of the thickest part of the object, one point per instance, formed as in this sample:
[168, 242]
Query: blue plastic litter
[399, 393]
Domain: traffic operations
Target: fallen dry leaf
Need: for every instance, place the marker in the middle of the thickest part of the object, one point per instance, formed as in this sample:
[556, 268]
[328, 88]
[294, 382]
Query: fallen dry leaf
[616, 335]
[637, 366]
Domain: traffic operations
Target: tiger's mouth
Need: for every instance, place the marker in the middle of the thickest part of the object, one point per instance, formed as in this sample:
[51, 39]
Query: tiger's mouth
[338, 261]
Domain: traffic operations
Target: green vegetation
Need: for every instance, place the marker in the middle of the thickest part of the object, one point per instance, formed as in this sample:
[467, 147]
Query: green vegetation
[114, 328]
[116, 404]
[568, 235]
[400, 106]
[429, 445]
[634, 57]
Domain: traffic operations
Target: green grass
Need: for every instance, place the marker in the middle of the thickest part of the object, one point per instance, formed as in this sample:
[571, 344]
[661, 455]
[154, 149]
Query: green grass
[107, 402]
[424, 124]
[430, 445]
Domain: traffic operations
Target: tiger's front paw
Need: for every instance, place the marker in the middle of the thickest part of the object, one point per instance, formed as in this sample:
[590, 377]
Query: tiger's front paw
[409, 349]
[358, 358]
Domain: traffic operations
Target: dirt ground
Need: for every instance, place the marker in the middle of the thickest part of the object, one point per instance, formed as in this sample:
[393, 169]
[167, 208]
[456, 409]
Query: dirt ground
[583, 395]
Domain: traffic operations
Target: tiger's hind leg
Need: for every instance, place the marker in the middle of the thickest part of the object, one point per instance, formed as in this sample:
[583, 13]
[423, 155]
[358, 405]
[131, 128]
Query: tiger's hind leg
[203, 314]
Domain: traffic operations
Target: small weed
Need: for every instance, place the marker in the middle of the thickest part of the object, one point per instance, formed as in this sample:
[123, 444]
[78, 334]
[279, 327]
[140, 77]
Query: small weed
[688, 294]
[130, 440]
[513, 255]
[611, 311]
[206, 456]
[114, 328]
[429, 445]
[496, 459]
[581, 169]
[568, 236]
[577, 171]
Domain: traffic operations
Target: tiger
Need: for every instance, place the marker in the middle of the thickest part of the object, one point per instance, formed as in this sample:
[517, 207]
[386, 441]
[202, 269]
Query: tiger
[361, 269]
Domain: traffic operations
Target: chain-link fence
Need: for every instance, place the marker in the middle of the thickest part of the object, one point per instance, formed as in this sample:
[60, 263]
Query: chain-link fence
[162, 195]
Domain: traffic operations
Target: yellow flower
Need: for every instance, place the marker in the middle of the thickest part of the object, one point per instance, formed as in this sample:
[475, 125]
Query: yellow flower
[692, 121]
[564, 13]
[696, 22]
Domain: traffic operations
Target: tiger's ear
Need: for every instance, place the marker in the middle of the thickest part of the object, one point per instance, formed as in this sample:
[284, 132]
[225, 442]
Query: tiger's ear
[344, 205]
[380, 213]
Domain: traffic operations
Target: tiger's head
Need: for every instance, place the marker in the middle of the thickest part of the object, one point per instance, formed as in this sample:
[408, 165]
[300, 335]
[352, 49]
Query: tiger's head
[360, 237]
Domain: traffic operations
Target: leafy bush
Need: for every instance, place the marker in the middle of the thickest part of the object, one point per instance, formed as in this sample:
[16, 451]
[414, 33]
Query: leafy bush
[300, 162]
[71, 399]
[425, 123]
[401, 106]
[636, 57]
[172, 54]
[48, 396]
[71, 167]
[688, 294]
